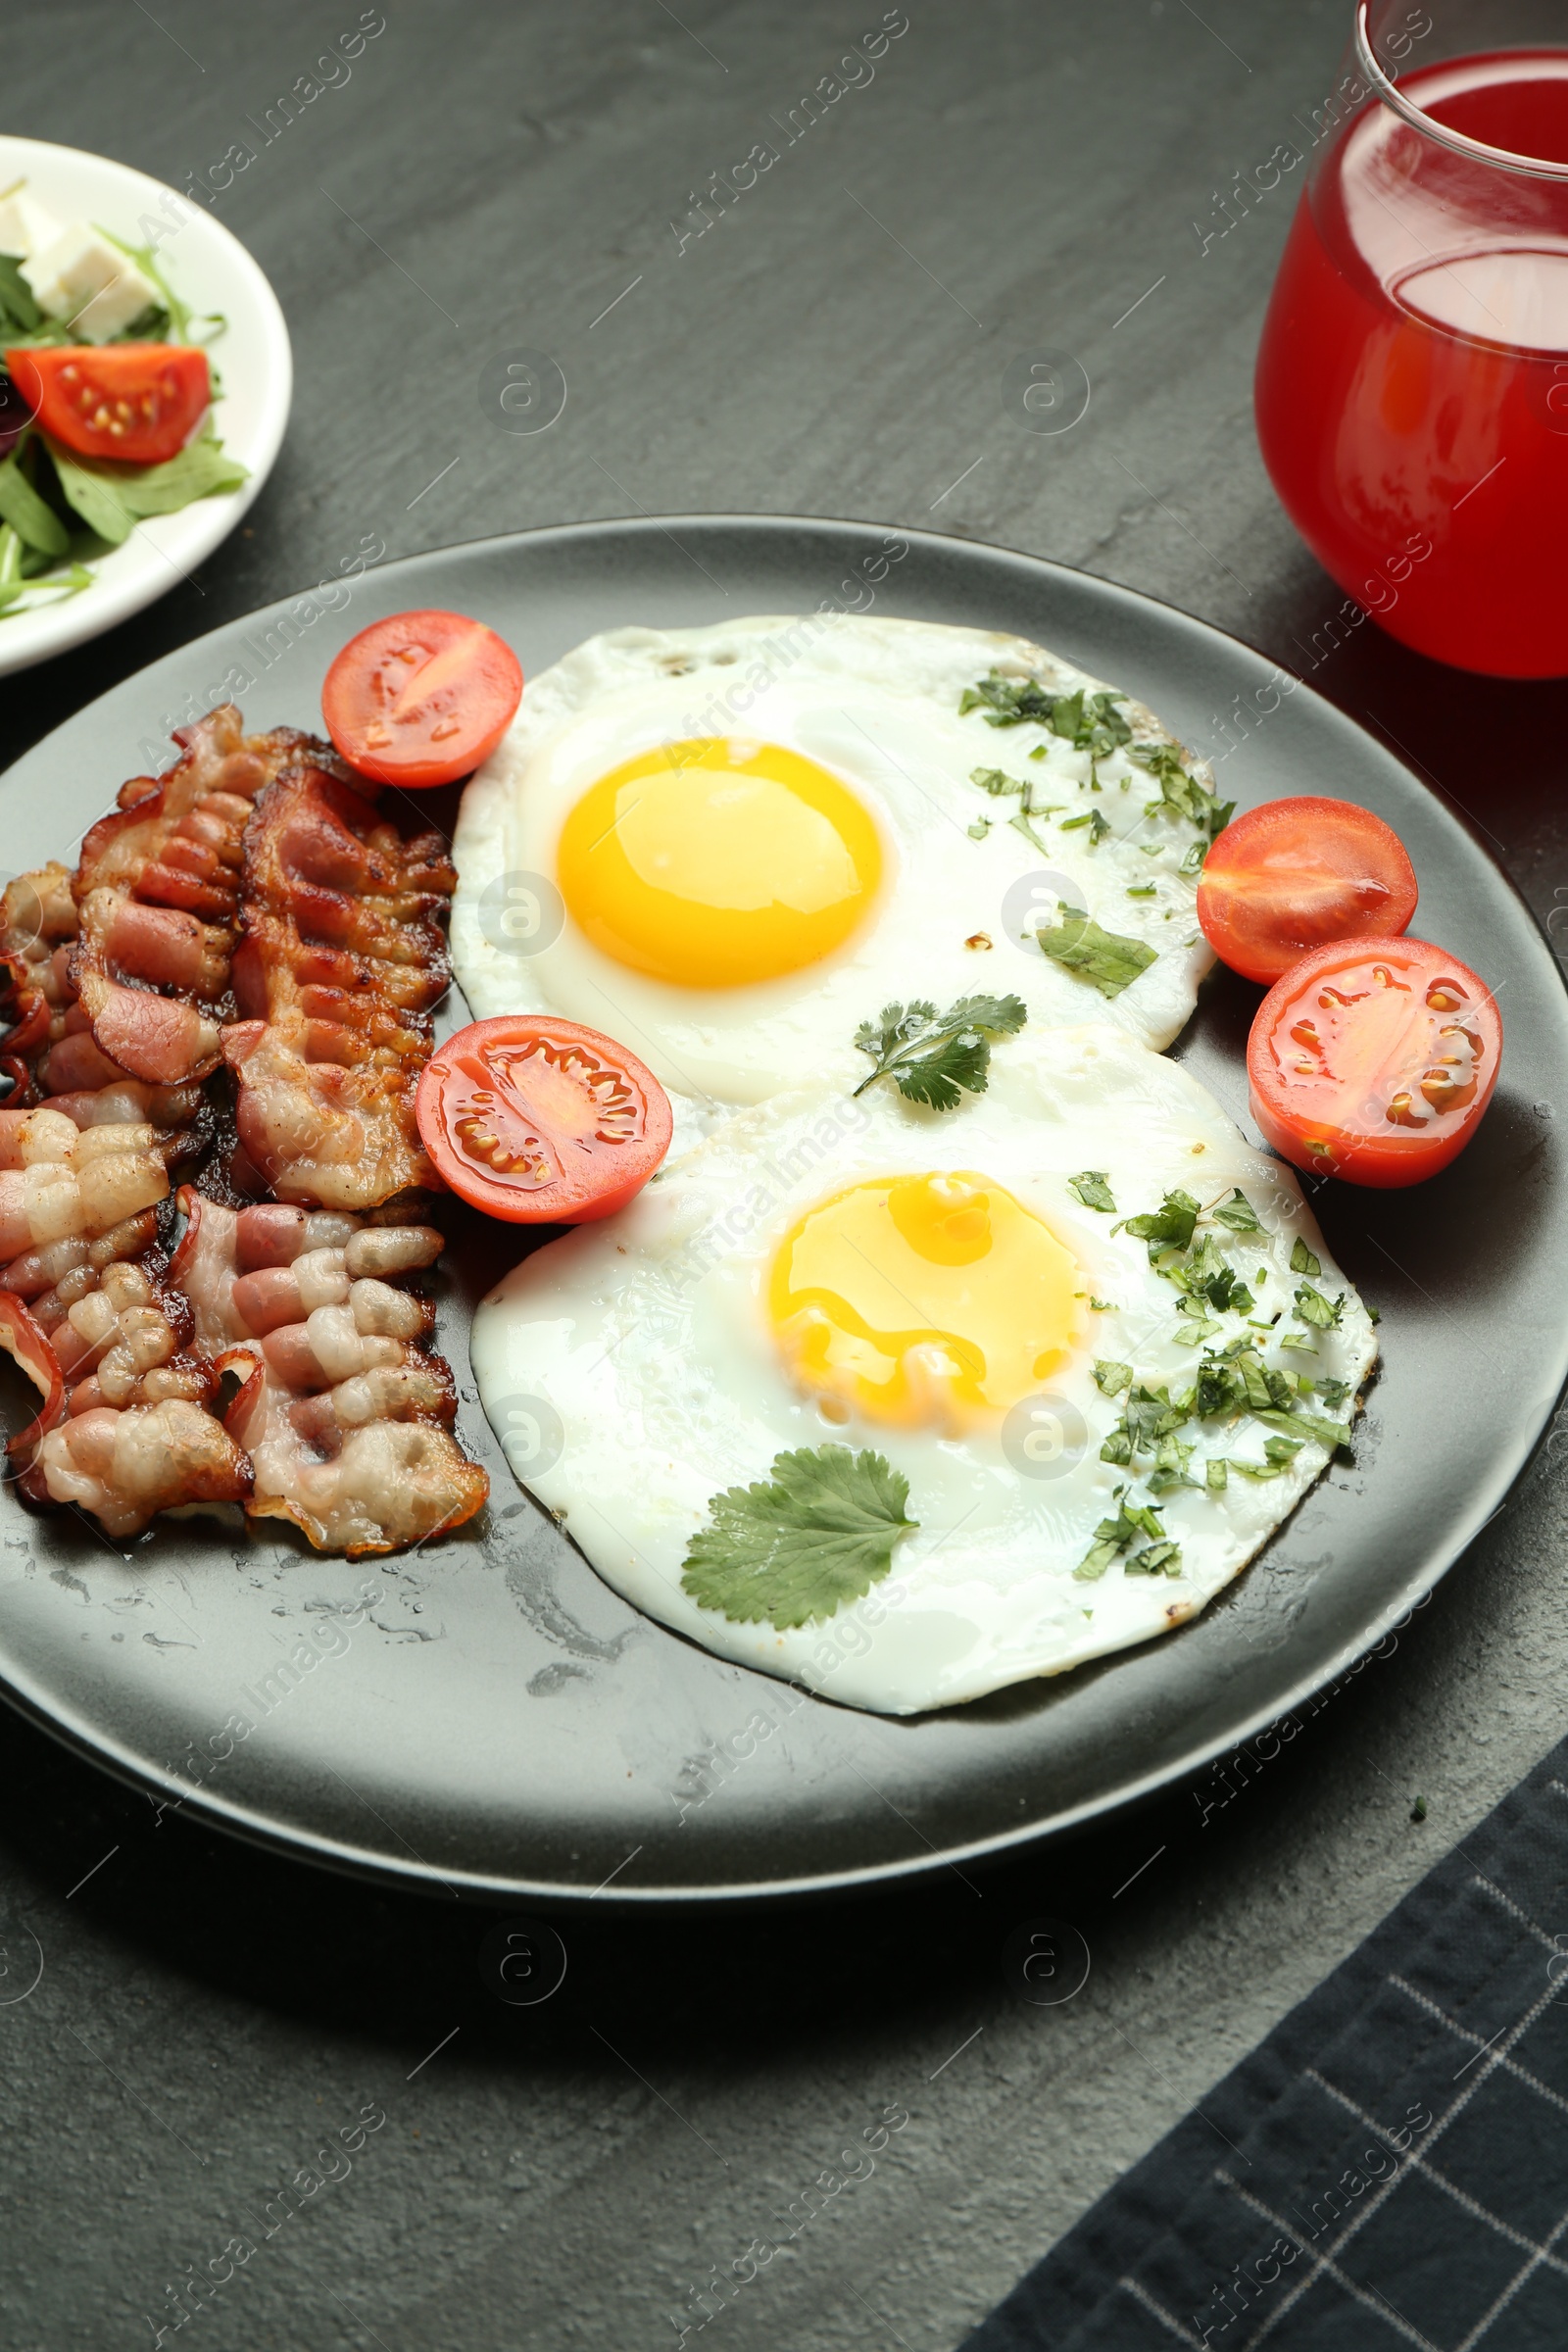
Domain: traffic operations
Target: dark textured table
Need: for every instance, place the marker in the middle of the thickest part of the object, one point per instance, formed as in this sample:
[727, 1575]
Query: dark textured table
[996, 179]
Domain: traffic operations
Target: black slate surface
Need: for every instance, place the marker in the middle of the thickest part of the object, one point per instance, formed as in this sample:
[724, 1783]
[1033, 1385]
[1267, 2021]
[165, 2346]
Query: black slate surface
[573, 2172]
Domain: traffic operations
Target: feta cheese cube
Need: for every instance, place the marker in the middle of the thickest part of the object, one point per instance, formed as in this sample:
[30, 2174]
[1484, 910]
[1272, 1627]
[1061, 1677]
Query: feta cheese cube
[89, 284]
[26, 225]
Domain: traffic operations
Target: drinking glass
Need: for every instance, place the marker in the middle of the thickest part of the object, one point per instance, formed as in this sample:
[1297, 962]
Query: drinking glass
[1412, 378]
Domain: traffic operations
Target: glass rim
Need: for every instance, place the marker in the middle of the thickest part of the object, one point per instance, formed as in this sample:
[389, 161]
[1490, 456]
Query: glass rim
[1385, 88]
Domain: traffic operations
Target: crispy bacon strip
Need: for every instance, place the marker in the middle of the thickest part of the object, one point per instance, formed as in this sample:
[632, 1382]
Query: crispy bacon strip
[85, 1311]
[345, 1413]
[341, 959]
[37, 926]
[157, 892]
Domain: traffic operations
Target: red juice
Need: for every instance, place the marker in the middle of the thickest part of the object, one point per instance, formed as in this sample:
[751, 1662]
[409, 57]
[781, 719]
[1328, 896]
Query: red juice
[1412, 378]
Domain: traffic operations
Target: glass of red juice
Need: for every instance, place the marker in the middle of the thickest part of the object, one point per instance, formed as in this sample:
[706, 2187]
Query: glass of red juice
[1412, 378]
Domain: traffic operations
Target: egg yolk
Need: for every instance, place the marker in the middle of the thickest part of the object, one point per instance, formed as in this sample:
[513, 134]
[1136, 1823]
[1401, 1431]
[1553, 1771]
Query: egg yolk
[715, 863]
[932, 1299]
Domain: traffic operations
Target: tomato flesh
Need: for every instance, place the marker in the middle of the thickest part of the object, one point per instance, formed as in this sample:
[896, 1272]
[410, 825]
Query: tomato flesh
[1295, 874]
[136, 401]
[421, 698]
[1374, 1060]
[540, 1121]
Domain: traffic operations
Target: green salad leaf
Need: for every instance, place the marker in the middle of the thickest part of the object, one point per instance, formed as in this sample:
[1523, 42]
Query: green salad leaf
[790, 1551]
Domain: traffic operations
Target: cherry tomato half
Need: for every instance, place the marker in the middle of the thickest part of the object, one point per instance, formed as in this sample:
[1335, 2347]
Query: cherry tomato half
[421, 698]
[139, 402]
[540, 1121]
[1295, 874]
[1374, 1060]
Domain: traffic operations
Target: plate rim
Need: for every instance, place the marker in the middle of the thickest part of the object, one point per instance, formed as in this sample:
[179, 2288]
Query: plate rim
[61, 627]
[345, 1857]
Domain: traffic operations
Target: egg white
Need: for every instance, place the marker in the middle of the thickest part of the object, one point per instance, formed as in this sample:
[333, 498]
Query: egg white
[876, 703]
[648, 1335]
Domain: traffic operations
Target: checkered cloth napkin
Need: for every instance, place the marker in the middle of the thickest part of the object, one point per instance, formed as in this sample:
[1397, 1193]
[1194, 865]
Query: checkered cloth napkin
[1388, 2168]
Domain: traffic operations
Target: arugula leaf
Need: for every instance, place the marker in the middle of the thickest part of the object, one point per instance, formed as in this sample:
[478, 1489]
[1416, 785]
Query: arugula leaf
[112, 499]
[938, 1058]
[31, 517]
[1169, 1226]
[1238, 1214]
[1111, 1378]
[1112, 1536]
[1181, 795]
[1092, 1190]
[1105, 958]
[16, 294]
[1302, 1259]
[1314, 1309]
[1099, 827]
[790, 1552]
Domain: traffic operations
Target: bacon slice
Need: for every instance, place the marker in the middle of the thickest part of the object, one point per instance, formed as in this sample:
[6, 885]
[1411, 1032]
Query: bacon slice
[346, 1415]
[156, 891]
[343, 955]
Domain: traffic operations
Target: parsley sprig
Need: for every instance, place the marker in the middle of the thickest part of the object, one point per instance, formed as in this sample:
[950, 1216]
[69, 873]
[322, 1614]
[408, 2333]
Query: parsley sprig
[793, 1549]
[938, 1058]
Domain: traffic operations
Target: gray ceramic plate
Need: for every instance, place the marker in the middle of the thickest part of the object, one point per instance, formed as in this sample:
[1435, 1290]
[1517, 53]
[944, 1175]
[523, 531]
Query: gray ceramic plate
[486, 1713]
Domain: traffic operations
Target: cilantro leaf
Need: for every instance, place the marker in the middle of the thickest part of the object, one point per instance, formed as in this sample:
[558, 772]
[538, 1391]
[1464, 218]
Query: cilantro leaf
[1181, 795]
[1112, 1536]
[1239, 1215]
[790, 1552]
[1105, 958]
[1164, 1559]
[1169, 1226]
[1007, 702]
[1302, 1259]
[1305, 1426]
[1313, 1307]
[1092, 1190]
[938, 1058]
[1099, 827]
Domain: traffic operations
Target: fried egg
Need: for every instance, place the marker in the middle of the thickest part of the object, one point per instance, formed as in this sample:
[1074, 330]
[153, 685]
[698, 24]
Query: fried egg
[729, 846]
[956, 1298]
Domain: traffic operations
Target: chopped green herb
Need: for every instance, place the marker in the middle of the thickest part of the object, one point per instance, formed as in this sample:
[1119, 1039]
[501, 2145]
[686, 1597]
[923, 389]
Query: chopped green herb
[1181, 795]
[1156, 1559]
[992, 780]
[1193, 1333]
[1307, 1427]
[1332, 1393]
[1169, 1226]
[1112, 1536]
[1142, 890]
[979, 829]
[1092, 1190]
[1099, 825]
[1103, 1306]
[938, 1058]
[1302, 1259]
[1418, 1811]
[819, 1532]
[1237, 1214]
[1007, 702]
[1106, 960]
[1299, 1340]
[1111, 1378]
[1214, 1475]
[1313, 1307]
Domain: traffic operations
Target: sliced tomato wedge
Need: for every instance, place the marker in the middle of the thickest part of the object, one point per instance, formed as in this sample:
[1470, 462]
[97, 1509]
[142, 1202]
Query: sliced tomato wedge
[1374, 1060]
[1295, 874]
[421, 698]
[539, 1121]
[139, 402]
